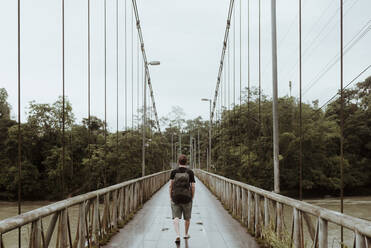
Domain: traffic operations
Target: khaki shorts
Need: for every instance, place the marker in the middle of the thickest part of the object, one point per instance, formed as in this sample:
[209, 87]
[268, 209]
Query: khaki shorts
[181, 209]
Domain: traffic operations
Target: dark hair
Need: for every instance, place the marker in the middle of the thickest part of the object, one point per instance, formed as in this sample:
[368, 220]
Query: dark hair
[182, 159]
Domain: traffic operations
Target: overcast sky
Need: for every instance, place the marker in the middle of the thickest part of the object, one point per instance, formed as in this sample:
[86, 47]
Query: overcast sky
[186, 36]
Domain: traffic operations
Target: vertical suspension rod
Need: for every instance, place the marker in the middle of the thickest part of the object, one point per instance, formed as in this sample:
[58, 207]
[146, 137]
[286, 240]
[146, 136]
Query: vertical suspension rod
[19, 120]
[341, 116]
[105, 92]
[89, 78]
[259, 63]
[117, 87]
[63, 99]
[300, 108]
[126, 69]
[132, 69]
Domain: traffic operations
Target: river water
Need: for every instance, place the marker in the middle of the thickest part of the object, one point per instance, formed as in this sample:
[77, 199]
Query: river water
[355, 206]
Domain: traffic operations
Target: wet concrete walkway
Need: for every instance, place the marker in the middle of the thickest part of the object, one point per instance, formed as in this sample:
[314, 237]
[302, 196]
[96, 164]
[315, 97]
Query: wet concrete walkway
[211, 225]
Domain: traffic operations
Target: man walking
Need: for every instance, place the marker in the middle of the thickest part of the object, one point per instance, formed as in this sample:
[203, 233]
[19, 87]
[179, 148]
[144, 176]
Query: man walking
[182, 191]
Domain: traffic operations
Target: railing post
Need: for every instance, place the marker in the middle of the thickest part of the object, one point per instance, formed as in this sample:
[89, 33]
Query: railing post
[63, 239]
[1, 241]
[82, 226]
[360, 240]
[121, 204]
[297, 227]
[249, 210]
[322, 235]
[51, 228]
[114, 209]
[266, 212]
[96, 225]
[279, 220]
[257, 215]
[243, 192]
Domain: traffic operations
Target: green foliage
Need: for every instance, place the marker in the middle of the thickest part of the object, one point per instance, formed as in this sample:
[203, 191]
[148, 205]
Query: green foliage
[88, 164]
[242, 145]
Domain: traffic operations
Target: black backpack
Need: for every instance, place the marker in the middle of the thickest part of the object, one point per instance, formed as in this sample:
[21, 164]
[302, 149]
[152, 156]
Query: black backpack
[181, 191]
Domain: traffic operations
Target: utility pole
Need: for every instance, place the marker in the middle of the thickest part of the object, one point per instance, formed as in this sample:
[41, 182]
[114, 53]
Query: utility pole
[275, 100]
[199, 152]
[190, 151]
[180, 142]
[210, 136]
[172, 150]
[207, 159]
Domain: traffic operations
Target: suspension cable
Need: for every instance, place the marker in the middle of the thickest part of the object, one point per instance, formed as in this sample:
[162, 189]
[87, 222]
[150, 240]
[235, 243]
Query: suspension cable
[231, 4]
[146, 62]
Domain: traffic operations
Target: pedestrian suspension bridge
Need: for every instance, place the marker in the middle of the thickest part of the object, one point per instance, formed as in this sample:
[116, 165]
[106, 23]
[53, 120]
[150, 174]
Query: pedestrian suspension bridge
[226, 213]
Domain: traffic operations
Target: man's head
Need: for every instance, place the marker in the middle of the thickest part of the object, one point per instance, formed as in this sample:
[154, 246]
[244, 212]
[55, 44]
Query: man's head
[182, 160]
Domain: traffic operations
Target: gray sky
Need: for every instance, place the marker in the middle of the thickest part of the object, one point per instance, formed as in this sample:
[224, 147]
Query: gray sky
[186, 36]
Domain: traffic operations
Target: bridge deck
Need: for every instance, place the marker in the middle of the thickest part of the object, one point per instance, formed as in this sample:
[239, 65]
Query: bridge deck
[211, 225]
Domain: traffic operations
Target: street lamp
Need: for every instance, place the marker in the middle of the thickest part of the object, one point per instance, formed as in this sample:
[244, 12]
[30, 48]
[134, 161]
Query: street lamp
[145, 115]
[209, 160]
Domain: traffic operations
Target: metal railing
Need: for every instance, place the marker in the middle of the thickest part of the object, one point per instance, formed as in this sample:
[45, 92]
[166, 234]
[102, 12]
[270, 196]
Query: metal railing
[263, 213]
[94, 221]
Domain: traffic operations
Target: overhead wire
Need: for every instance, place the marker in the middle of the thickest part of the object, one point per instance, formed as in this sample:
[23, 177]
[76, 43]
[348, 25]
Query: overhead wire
[306, 53]
[355, 39]
[345, 87]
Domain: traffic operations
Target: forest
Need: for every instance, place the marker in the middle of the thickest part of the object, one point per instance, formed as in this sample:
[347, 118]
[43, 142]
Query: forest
[242, 149]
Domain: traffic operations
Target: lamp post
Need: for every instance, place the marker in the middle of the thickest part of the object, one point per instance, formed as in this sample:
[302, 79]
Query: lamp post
[209, 151]
[173, 149]
[145, 117]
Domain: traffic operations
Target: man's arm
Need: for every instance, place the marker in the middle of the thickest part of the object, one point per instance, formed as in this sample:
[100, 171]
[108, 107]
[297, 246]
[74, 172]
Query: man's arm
[193, 186]
[171, 187]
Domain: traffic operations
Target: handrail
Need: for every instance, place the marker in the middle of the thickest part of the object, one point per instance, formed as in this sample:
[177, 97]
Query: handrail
[126, 198]
[219, 184]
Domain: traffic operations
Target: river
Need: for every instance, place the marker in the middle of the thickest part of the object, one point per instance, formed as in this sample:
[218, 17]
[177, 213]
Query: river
[355, 206]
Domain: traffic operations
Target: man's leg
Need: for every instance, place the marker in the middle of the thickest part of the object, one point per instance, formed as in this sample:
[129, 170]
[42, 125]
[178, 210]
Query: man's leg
[186, 225]
[187, 217]
[176, 226]
[177, 214]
